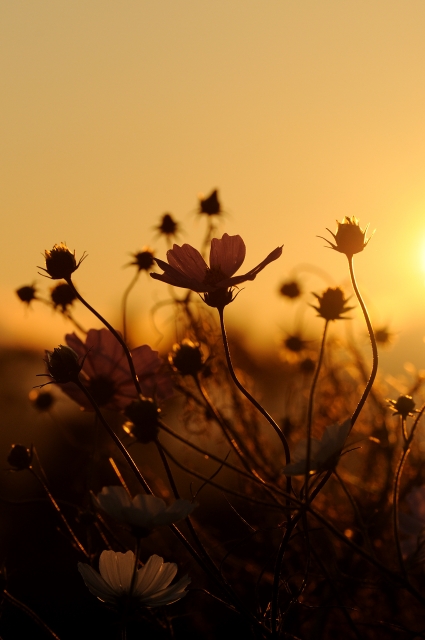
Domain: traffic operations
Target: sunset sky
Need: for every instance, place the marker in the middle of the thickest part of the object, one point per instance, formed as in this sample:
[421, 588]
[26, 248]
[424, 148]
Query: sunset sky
[299, 111]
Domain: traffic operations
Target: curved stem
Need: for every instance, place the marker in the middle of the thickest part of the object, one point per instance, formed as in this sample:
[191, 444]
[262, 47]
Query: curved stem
[23, 607]
[124, 304]
[396, 493]
[373, 344]
[310, 408]
[114, 333]
[247, 395]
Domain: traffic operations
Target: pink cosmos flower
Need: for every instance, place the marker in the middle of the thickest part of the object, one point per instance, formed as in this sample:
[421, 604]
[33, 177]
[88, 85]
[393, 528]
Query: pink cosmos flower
[106, 373]
[187, 268]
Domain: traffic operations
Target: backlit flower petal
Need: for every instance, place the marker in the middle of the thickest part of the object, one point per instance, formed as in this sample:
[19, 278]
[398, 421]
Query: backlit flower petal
[96, 584]
[117, 569]
[168, 595]
[188, 261]
[227, 254]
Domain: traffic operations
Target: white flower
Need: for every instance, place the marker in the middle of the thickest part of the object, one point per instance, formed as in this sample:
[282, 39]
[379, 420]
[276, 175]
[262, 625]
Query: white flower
[324, 453]
[115, 583]
[143, 512]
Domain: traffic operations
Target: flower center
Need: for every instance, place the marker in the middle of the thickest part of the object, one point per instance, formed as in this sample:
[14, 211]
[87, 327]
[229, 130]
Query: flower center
[213, 276]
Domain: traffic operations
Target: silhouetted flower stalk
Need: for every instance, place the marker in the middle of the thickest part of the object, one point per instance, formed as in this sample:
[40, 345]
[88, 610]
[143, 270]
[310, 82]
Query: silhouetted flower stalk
[372, 341]
[246, 393]
[124, 304]
[408, 438]
[310, 408]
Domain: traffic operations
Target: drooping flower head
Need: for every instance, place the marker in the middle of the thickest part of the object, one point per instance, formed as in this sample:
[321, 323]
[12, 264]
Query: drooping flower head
[349, 237]
[332, 304]
[143, 512]
[114, 583]
[106, 374]
[61, 262]
[186, 268]
[187, 358]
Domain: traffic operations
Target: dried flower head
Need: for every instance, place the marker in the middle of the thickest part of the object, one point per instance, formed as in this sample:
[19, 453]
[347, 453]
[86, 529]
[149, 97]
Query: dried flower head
[61, 262]
[404, 406]
[127, 588]
[41, 400]
[143, 260]
[168, 227]
[210, 205]
[349, 237]
[187, 358]
[332, 304]
[63, 296]
[20, 457]
[290, 289]
[27, 294]
[143, 419]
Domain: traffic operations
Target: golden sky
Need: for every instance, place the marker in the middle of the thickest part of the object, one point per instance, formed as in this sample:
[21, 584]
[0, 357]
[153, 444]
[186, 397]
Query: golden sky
[299, 111]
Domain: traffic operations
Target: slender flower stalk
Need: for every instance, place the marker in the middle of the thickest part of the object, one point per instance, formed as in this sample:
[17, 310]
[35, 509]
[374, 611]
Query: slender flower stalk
[372, 341]
[310, 409]
[246, 393]
[124, 304]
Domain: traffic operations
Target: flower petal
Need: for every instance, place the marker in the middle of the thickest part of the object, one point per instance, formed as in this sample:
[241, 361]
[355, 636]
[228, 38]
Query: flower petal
[113, 500]
[188, 261]
[96, 584]
[175, 277]
[227, 254]
[158, 579]
[117, 569]
[251, 275]
[169, 595]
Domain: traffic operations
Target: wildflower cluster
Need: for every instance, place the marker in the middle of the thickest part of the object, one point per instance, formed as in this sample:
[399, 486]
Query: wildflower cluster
[187, 504]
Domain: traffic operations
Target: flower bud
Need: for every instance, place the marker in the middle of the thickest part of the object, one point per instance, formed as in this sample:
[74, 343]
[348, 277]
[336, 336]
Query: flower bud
[20, 457]
[61, 262]
[349, 237]
[210, 205]
[186, 358]
[27, 294]
[290, 289]
[168, 226]
[143, 415]
[332, 304]
[63, 296]
[404, 406]
[144, 260]
[62, 364]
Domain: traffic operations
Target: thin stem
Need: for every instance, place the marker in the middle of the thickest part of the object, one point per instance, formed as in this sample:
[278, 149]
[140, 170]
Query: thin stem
[246, 393]
[310, 408]
[372, 341]
[396, 493]
[124, 304]
[114, 332]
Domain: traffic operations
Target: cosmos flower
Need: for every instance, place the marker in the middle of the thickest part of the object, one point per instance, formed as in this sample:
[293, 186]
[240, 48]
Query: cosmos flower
[187, 268]
[143, 512]
[106, 374]
[324, 453]
[114, 582]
